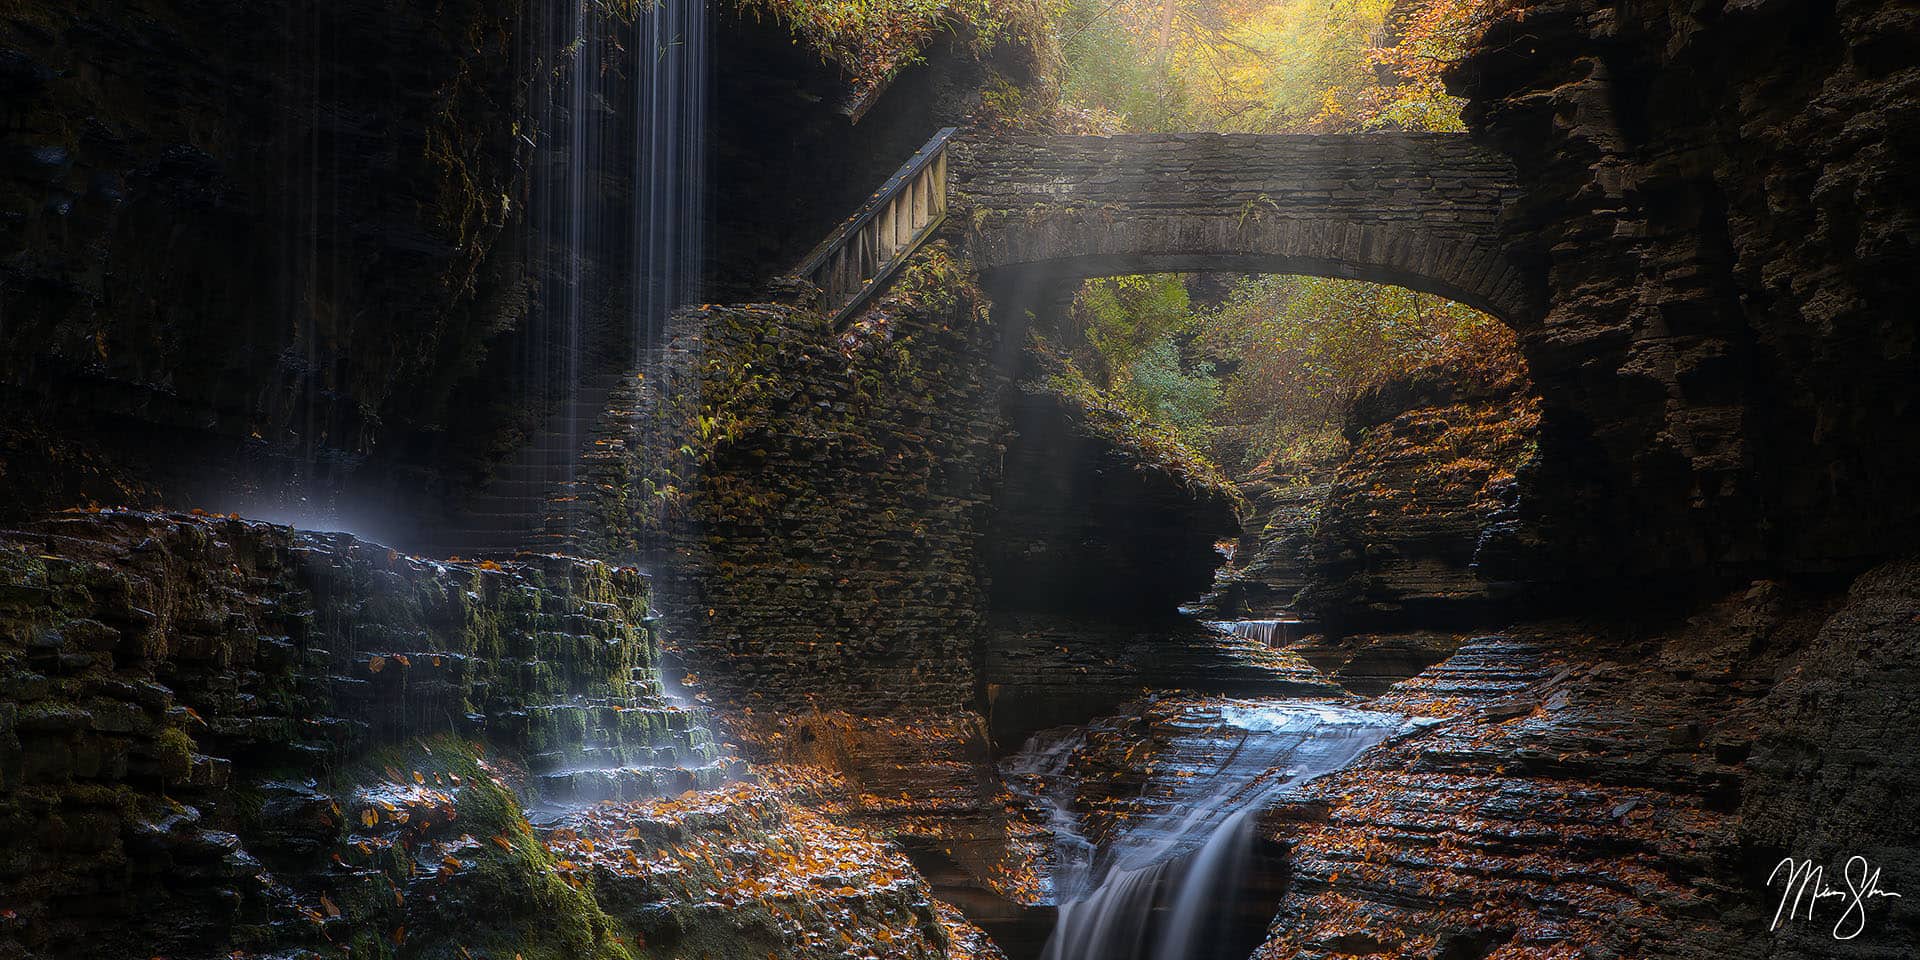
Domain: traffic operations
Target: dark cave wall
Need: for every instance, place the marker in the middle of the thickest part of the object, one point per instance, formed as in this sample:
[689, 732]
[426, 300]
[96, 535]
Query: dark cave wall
[1716, 211]
[1081, 526]
[260, 232]
[1091, 548]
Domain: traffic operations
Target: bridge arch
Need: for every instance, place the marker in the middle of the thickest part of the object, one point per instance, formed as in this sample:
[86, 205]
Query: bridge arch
[1413, 210]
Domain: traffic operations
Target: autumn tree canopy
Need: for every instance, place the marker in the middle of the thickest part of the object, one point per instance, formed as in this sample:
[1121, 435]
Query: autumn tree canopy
[1261, 372]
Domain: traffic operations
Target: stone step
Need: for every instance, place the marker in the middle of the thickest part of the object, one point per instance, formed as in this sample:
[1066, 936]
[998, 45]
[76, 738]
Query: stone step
[632, 783]
[559, 726]
[669, 754]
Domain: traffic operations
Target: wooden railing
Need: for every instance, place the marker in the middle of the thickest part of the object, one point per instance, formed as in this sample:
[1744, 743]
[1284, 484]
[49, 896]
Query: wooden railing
[860, 256]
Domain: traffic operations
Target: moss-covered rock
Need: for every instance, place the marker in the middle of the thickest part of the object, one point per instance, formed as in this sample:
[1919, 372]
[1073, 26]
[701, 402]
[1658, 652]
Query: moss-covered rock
[218, 734]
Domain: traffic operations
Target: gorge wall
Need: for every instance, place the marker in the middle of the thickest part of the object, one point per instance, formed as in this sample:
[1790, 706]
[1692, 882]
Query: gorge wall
[1424, 519]
[1710, 209]
[182, 294]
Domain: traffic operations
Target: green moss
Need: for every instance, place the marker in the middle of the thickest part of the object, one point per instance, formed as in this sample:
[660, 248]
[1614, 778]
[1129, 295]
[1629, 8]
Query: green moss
[875, 39]
[509, 901]
[176, 753]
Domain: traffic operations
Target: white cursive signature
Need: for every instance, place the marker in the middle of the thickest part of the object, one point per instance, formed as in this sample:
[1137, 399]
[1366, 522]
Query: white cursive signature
[1807, 886]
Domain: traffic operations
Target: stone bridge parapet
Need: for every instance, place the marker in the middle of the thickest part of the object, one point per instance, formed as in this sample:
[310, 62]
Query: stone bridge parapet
[1415, 210]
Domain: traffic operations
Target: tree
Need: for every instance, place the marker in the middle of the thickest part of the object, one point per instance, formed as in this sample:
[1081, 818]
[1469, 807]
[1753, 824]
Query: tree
[1269, 66]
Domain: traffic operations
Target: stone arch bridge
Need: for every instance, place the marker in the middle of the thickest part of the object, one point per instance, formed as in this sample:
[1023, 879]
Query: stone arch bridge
[1414, 210]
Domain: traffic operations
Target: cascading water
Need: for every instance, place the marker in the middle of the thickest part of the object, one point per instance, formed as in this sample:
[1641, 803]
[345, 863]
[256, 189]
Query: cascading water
[1163, 888]
[620, 200]
[669, 164]
[1265, 632]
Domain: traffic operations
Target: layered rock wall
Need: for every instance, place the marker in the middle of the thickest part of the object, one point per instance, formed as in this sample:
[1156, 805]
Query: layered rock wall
[1426, 519]
[1423, 524]
[1610, 796]
[1713, 210]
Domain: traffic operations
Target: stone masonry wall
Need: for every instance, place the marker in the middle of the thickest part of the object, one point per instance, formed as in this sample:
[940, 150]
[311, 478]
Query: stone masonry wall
[819, 522]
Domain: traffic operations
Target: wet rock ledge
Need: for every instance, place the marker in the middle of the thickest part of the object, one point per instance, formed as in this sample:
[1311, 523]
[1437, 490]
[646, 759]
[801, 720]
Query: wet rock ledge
[216, 732]
[1587, 794]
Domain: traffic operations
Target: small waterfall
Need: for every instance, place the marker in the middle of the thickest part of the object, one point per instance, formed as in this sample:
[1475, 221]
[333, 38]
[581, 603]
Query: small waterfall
[645, 742]
[1164, 888]
[1041, 771]
[669, 165]
[1265, 632]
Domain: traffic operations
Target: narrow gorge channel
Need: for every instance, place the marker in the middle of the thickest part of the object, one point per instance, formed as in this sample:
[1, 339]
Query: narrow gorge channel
[1171, 882]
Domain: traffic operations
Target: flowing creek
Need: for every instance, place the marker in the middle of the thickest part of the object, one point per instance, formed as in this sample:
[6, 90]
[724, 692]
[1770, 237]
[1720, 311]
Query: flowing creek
[1162, 886]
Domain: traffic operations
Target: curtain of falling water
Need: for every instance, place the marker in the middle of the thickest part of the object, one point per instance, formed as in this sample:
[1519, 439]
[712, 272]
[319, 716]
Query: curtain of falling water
[618, 197]
[671, 85]
[1165, 888]
[670, 88]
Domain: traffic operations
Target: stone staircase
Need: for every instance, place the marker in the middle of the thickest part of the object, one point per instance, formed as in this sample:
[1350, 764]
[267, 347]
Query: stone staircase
[534, 502]
[624, 748]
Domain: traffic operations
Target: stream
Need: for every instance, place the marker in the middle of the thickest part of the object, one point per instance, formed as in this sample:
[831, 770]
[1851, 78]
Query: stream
[1162, 888]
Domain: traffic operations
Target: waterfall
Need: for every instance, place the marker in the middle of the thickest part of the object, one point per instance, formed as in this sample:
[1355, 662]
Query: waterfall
[669, 163]
[618, 198]
[1265, 632]
[616, 202]
[1164, 887]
